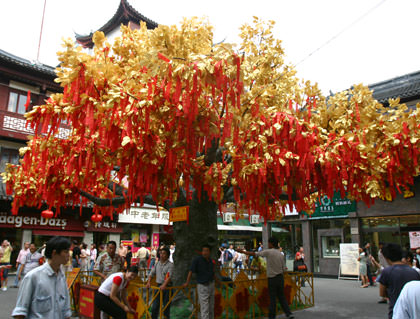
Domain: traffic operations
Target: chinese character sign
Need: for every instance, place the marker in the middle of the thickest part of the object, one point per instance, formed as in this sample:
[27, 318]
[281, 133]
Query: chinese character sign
[179, 214]
[155, 239]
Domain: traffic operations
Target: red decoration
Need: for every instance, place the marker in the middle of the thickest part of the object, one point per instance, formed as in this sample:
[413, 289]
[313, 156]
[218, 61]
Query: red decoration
[96, 218]
[47, 214]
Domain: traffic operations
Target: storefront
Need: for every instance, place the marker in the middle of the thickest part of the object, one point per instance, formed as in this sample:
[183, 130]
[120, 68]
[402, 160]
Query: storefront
[391, 221]
[146, 225]
[29, 226]
[324, 230]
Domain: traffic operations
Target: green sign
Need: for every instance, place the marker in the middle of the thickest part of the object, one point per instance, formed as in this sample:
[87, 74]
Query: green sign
[335, 207]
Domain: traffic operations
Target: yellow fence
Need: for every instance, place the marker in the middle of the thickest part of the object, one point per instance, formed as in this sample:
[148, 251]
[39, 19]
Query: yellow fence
[245, 296]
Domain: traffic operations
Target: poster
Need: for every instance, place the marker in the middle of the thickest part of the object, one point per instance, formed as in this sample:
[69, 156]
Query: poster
[143, 236]
[349, 253]
[414, 239]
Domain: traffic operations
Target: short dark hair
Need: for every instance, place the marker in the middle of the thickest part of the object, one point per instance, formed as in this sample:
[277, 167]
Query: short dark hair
[273, 241]
[408, 255]
[112, 242]
[128, 247]
[58, 244]
[84, 246]
[166, 249]
[134, 269]
[392, 251]
[206, 246]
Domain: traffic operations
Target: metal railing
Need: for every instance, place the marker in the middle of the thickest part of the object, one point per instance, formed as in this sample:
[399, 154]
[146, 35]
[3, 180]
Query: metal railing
[246, 296]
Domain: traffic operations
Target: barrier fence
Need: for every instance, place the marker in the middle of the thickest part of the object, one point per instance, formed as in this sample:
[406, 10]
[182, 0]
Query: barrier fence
[245, 296]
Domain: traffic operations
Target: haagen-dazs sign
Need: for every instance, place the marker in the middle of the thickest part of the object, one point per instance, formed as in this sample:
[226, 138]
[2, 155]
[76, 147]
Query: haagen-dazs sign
[31, 221]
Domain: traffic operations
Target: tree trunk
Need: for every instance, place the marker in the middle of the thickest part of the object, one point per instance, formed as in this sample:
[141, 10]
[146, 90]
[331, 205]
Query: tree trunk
[189, 238]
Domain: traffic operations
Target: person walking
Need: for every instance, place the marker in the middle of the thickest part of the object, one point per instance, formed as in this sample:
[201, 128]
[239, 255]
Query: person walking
[299, 266]
[153, 257]
[128, 257]
[363, 267]
[19, 260]
[111, 297]
[31, 261]
[93, 256]
[394, 278]
[76, 255]
[205, 269]
[163, 271]
[43, 292]
[5, 261]
[369, 263]
[109, 262]
[143, 255]
[276, 267]
[84, 257]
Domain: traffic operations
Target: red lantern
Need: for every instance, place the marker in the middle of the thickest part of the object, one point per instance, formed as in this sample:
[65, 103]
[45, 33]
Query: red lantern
[96, 218]
[47, 214]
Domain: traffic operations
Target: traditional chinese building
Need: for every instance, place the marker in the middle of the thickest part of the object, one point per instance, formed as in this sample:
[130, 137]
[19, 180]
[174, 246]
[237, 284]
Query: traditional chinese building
[17, 77]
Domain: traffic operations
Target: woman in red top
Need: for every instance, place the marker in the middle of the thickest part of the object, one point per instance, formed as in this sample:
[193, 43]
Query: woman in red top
[107, 297]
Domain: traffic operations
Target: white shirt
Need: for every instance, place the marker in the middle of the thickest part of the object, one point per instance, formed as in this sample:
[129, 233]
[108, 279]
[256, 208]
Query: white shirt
[43, 294]
[118, 279]
[408, 303]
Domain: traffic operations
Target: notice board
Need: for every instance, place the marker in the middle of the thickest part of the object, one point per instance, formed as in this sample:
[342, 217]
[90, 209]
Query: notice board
[349, 265]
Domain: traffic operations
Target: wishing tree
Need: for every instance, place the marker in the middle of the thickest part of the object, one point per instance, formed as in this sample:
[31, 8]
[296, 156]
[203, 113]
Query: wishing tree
[167, 117]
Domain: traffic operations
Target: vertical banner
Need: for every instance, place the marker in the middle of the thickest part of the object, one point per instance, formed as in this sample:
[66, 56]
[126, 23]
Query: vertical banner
[155, 239]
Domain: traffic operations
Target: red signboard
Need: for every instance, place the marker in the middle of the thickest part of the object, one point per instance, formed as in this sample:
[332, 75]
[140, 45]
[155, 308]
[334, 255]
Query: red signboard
[35, 221]
[179, 214]
[86, 301]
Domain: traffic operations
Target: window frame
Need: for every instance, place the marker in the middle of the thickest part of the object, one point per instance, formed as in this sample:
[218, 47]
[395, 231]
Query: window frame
[19, 94]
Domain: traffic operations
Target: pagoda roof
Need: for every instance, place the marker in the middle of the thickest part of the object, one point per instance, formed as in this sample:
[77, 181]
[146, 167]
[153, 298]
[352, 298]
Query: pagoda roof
[6, 57]
[124, 14]
[30, 72]
[406, 87]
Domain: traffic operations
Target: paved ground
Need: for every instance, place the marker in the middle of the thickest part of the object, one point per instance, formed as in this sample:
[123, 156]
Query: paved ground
[334, 299]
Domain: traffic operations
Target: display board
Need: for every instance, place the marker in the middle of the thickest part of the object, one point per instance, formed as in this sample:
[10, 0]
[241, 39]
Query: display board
[349, 266]
[414, 239]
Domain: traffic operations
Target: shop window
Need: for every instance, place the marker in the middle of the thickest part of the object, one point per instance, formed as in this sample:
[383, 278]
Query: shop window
[17, 101]
[330, 246]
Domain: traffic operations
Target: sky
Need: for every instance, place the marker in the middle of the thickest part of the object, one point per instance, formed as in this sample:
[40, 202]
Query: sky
[359, 41]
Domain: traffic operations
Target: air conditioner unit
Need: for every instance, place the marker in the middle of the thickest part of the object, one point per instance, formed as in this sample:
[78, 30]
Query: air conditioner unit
[255, 219]
[227, 217]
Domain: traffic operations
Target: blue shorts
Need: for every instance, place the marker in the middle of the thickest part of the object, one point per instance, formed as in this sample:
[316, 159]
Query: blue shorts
[5, 270]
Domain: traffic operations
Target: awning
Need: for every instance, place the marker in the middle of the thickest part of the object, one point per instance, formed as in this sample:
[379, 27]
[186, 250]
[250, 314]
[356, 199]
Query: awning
[46, 232]
[249, 228]
[239, 227]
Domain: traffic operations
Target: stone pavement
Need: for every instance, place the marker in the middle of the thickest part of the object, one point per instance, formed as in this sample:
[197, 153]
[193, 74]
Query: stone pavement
[334, 299]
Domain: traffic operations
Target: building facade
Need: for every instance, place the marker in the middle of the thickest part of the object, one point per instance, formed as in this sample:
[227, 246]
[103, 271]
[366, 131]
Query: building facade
[338, 220]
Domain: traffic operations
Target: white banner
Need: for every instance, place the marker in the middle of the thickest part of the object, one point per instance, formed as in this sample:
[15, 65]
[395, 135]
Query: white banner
[414, 239]
[349, 253]
[141, 215]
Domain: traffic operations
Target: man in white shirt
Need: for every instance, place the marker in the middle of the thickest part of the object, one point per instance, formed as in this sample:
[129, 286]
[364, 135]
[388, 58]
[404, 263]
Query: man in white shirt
[43, 292]
[408, 303]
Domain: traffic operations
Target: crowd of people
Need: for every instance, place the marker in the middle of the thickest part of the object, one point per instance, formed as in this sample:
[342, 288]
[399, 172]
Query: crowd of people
[43, 291]
[398, 276]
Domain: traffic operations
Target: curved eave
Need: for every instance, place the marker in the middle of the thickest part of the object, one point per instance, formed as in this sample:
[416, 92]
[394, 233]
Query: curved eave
[124, 14]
